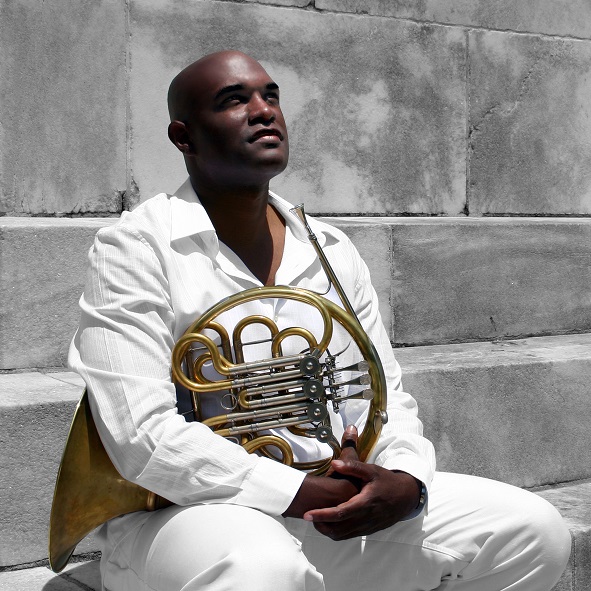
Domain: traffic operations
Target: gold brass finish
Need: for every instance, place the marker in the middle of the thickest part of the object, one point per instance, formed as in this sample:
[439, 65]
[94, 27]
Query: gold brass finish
[88, 487]
[291, 392]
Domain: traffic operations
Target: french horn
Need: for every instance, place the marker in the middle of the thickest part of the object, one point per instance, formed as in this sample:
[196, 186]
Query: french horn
[263, 398]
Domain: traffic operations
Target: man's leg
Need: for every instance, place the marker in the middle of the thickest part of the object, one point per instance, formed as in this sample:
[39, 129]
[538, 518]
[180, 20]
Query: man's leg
[478, 535]
[213, 547]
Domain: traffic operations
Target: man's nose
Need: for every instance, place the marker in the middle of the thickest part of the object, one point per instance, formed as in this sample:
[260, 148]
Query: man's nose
[261, 109]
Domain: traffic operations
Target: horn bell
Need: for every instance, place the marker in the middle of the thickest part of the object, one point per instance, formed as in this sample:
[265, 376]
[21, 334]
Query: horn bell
[89, 490]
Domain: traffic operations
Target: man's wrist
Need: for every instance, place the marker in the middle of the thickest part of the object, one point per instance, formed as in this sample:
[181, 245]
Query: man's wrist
[422, 494]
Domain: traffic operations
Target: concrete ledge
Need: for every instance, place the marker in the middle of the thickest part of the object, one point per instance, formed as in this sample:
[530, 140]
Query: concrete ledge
[75, 577]
[542, 16]
[471, 279]
[44, 262]
[572, 500]
[574, 503]
[516, 411]
[35, 415]
[439, 280]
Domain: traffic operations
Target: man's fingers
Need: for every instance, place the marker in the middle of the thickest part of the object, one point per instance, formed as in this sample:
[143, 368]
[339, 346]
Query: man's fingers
[349, 438]
[349, 444]
[355, 506]
[353, 467]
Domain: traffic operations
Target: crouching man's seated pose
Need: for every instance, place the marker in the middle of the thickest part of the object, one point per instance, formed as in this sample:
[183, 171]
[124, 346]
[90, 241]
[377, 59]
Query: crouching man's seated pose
[243, 521]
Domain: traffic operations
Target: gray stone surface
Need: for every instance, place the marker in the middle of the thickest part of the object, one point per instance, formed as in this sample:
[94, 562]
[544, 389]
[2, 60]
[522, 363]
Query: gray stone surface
[375, 107]
[78, 576]
[516, 411]
[572, 500]
[372, 238]
[463, 279]
[85, 573]
[42, 273]
[294, 3]
[439, 280]
[62, 106]
[574, 503]
[571, 18]
[530, 123]
[35, 415]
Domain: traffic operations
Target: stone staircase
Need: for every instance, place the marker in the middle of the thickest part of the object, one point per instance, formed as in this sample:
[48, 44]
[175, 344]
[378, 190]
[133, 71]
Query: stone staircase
[492, 322]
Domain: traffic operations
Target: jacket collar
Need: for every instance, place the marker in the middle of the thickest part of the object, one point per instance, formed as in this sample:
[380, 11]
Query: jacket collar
[189, 218]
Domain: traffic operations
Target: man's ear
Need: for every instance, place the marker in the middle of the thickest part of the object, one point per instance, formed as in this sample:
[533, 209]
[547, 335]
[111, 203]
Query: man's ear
[179, 136]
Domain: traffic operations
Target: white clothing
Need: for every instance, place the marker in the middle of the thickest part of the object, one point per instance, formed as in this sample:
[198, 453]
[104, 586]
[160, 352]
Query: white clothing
[151, 275]
[479, 535]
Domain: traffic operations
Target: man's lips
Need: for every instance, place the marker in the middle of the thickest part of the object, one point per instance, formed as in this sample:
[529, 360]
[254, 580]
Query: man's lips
[266, 133]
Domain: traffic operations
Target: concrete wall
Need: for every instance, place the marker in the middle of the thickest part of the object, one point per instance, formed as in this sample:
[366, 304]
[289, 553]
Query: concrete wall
[460, 109]
[438, 107]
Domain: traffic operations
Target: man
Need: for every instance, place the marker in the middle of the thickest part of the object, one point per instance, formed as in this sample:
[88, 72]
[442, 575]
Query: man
[242, 521]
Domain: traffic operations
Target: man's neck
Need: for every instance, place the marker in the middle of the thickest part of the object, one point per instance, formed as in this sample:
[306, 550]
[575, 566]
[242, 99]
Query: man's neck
[246, 222]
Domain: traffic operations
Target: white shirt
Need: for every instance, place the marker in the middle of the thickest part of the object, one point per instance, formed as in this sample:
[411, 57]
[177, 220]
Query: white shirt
[152, 274]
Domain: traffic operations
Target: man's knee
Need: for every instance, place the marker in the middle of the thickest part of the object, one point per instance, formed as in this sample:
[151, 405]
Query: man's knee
[273, 564]
[550, 533]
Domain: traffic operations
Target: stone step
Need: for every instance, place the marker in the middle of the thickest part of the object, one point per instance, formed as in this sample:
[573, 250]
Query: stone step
[439, 280]
[516, 411]
[35, 415]
[76, 576]
[572, 500]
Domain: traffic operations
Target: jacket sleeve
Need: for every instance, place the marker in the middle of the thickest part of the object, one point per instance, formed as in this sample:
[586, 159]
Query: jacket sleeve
[122, 350]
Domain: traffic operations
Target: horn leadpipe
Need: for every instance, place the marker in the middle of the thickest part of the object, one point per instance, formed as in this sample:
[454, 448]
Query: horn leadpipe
[300, 214]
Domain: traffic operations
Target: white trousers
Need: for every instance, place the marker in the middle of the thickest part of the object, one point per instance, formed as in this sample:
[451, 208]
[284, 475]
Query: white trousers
[478, 535]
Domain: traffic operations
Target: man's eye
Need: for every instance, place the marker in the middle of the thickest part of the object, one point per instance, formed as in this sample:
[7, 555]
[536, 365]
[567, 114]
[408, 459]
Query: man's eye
[232, 100]
[273, 97]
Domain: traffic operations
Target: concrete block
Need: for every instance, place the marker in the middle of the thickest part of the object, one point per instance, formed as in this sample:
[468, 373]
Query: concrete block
[37, 579]
[574, 503]
[42, 274]
[372, 238]
[294, 3]
[375, 107]
[530, 123]
[465, 279]
[35, 415]
[516, 411]
[62, 106]
[76, 576]
[439, 280]
[571, 18]
[87, 573]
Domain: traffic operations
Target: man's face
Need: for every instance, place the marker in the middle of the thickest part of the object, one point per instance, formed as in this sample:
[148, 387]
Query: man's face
[236, 127]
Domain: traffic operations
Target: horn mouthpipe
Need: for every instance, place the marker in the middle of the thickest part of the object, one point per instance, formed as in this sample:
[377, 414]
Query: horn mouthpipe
[300, 214]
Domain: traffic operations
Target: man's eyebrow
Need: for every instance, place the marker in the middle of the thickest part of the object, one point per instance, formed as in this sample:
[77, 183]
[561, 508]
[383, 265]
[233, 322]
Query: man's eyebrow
[235, 87]
[226, 89]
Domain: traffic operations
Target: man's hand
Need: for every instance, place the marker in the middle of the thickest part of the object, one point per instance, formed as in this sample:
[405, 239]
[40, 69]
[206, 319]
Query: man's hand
[319, 492]
[385, 496]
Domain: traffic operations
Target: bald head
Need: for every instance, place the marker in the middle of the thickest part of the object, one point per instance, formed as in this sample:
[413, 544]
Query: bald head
[227, 122]
[189, 85]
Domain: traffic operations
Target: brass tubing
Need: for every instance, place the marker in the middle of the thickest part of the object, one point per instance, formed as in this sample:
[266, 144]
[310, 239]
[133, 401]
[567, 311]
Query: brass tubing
[245, 394]
[277, 423]
[270, 378]
[290, 332]
[239, 328]
[254, 414]
[298, 211]
[260, 443]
